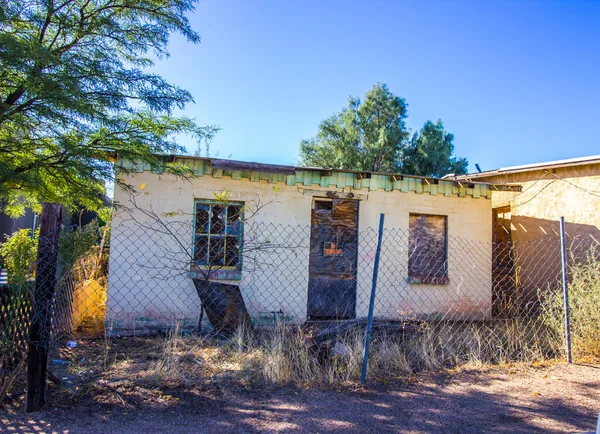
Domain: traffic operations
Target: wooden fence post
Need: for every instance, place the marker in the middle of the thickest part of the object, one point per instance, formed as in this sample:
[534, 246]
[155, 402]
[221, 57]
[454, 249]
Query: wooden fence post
[41, 321]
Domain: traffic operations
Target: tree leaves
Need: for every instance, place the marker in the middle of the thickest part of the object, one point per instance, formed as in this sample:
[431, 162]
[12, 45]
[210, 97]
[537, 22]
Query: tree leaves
[430, 153]
[75, 93]
[371, 135]
[366, 135]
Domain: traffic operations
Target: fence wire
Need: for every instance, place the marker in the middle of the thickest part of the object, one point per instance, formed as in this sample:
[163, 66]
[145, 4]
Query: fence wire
[442, 296]
[51, 291]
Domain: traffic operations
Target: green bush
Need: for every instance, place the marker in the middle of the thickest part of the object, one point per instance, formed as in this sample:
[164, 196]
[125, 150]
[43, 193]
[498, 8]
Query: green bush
[18, 254]
[73, 245]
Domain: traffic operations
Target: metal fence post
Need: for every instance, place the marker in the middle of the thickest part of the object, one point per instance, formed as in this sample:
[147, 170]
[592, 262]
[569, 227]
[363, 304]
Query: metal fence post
[565, 284]
[363, 376]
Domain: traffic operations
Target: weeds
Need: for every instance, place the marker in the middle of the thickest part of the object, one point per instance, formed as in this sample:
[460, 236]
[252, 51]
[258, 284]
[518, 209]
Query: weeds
[292, 356]
[584, 301]
[17, 254]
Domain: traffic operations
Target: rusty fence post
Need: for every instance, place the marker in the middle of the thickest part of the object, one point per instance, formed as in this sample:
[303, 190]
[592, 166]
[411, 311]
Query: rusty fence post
[45, 285]
[365, 363]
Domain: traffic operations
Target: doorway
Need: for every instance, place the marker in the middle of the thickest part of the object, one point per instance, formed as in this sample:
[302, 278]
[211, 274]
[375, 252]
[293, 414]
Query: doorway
[504, 294]
[333, 259]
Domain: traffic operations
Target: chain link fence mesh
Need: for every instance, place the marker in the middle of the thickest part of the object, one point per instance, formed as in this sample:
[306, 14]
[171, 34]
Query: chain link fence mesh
[51, 291]
[499, 299]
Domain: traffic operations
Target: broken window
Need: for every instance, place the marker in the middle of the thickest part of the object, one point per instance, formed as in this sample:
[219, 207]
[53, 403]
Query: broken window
[218, 234]
[428, 249]
[323, 204]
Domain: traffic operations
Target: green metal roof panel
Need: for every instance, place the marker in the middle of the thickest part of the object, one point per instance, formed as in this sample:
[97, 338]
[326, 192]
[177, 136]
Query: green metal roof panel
[326, 179]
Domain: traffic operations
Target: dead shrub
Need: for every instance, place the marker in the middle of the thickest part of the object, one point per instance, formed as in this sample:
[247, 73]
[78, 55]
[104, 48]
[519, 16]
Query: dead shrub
[584, 305]
[290, 355]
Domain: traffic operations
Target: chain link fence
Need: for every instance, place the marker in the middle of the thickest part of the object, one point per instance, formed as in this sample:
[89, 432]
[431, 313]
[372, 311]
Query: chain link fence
[440, 298]
[61, 292]
[470, 293]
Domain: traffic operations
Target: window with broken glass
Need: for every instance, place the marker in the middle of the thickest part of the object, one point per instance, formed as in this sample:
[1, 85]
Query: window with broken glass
[218, 235]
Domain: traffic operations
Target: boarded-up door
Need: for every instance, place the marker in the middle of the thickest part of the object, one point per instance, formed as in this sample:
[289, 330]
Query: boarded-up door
[333, 254]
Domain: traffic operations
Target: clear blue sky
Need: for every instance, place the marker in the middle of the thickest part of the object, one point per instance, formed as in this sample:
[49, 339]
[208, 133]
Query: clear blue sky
[515, 81]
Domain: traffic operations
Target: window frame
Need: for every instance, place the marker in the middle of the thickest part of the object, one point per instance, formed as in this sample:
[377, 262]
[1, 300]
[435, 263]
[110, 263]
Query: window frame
[217, 272]
[424, 279]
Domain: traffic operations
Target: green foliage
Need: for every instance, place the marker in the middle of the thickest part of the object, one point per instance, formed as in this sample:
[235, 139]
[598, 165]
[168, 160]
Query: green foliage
[75, 92]
[371, 135]
[222, 197]
[366, 135]
[104, 216]
[15, 311]
[75, 244]
[19, 253]
[430, 153]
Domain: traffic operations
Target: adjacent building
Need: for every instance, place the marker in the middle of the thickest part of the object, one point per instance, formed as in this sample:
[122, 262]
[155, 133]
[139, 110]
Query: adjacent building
[526, 223]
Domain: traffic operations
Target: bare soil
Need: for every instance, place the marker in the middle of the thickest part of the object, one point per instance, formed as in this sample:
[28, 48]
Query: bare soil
[554, 398]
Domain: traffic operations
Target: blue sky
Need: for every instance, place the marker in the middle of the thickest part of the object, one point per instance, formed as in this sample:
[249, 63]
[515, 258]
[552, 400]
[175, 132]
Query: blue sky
[515, 81]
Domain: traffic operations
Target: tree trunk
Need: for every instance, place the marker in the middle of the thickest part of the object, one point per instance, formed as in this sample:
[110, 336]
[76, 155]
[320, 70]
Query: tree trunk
[41, 321]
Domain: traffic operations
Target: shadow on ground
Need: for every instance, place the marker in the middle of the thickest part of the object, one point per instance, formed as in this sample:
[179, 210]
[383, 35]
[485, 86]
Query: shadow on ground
[560, 398]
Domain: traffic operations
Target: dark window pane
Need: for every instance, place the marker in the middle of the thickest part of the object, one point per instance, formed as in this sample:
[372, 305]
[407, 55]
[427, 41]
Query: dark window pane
[427, 246]
[234, 219]
[218, 231]
[217, 250]
[232, 251]
[201, 250]
[233, 213]
[217, 222]
[202, 219]
[324, 204]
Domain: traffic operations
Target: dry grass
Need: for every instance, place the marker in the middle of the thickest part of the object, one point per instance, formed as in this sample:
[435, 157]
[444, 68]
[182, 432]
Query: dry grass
[584, 301]
[291, 356]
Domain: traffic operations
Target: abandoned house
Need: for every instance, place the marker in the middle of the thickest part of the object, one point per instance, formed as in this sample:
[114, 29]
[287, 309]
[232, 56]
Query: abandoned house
[528, 220]
[309, 238]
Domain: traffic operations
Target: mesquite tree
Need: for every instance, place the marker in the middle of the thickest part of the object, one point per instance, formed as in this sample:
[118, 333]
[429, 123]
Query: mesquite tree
[76, 91]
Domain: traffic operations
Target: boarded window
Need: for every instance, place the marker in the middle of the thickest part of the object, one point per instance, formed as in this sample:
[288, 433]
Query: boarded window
[218, 235]
[427, 249]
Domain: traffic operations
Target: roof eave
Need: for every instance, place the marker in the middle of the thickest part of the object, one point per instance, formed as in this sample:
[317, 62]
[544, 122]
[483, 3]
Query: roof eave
[532, 167]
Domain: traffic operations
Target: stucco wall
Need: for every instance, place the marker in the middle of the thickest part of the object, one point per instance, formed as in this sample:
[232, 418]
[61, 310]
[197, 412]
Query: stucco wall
[572, 192]
[140, 295]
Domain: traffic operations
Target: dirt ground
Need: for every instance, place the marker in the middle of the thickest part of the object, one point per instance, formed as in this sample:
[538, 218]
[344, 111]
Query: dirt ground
[551, 399]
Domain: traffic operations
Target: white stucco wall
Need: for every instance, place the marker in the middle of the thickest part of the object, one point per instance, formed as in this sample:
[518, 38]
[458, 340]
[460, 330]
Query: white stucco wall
[148, 286]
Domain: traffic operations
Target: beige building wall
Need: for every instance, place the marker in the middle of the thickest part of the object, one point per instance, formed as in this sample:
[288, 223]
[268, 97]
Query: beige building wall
[149, 285]
[572, 192]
